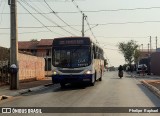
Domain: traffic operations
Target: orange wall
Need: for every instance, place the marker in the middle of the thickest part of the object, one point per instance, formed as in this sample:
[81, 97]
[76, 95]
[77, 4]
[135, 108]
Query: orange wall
[31, 67]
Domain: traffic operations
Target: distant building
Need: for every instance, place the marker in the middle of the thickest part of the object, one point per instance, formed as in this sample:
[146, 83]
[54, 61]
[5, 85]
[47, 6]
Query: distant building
[146, 53]
[155, 63]
[42, 48]
[151, 59]
[28, 46]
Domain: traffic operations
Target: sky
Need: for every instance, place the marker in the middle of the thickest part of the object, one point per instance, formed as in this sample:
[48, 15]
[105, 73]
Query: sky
[111, 22]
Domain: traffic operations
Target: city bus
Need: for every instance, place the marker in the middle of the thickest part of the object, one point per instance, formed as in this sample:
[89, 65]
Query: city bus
[76, 59]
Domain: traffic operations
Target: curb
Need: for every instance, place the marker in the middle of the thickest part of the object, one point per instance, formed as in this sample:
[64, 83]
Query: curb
[152, 88]
[141, 76]
[24, 91]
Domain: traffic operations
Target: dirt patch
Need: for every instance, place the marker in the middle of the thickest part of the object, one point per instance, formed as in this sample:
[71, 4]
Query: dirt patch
[155, 83]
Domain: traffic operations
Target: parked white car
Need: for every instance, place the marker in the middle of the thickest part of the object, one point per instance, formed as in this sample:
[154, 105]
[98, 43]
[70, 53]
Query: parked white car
[140, 68]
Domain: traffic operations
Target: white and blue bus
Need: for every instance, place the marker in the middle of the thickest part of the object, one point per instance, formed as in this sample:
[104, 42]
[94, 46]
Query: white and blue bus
[76, 59]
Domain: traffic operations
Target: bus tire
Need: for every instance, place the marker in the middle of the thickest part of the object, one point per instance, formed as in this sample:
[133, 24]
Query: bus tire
[100, 79]
[93, 83]
[62, 85]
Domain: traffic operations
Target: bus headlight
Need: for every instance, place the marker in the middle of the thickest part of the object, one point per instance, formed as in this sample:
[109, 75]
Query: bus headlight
[55, 72]
[88, 72]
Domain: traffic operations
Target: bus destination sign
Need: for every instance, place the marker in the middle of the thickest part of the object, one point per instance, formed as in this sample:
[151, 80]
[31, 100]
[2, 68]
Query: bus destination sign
[71, 42]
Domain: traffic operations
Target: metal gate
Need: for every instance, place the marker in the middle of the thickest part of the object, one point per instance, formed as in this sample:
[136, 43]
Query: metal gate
[4, 73]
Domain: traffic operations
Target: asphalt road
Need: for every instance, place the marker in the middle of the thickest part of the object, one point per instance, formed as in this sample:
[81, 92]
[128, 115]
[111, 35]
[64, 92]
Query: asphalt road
[110, 92]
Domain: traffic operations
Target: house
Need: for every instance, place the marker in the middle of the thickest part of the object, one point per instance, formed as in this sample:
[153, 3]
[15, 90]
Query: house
[145, 58]
[155, 63]
[146, 53]
[42, 48]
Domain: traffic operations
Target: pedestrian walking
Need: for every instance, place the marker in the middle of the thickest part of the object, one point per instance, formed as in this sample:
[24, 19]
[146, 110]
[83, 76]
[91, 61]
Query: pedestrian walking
[143, 69]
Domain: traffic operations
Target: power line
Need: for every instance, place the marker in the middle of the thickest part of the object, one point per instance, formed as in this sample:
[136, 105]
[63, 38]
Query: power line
[42, 5]
[25, 32]
[54, 0]
[38, 26]
[5, 28]
[129, 9]
[33, 32]
[77, 7]
[4, 33]
[120, 37]
[91, 30]
[2, 11]
[47, 19]
[98, 25]
[34, 16]
[110, 10]
[127, 23]
[37, 18]
[85, 19]
[95, 11]
[28, 13]
[59, 16]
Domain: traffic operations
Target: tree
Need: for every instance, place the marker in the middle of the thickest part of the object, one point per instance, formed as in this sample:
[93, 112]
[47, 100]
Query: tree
[136, 56]
[128, 50]
[105, 63]
[33, 40]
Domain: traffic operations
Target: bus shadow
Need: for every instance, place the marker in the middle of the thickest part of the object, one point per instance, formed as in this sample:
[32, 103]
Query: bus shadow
[116, 78]
[69, 87]
[55, 88]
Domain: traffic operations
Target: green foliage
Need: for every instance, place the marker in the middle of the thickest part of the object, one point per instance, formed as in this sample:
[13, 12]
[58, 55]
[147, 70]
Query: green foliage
[105, 62]
[136, 56]
[5, 53]
[128, 50]
[33, 40]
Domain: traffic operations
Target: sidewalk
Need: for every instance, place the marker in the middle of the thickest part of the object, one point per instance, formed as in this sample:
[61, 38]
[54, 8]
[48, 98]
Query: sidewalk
[24, 87]
[152, 82]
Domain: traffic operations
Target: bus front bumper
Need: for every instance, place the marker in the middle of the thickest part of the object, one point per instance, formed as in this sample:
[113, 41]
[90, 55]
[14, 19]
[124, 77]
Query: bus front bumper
[72, 78]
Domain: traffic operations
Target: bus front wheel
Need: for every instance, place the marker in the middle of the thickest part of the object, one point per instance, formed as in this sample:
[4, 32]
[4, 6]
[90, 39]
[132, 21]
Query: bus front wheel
[62, 85]
[94, 80]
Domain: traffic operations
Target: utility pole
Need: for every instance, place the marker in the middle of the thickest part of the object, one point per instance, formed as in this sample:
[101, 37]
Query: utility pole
[156, 42]
[150, 44]
[142, 47]
[14, 81]
[148, 48]
[83, 18]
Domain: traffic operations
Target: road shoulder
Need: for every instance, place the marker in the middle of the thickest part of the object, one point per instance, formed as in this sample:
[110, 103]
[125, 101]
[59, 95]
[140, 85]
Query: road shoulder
[150, 84]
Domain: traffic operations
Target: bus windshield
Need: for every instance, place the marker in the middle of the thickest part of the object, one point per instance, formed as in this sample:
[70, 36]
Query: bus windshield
[71, 57]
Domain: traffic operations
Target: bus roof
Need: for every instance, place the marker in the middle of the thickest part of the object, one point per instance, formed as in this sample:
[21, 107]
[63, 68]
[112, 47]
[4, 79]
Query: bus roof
[71, 41]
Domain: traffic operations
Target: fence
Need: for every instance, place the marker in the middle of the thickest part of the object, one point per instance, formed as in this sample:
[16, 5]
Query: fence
[30, 67]
[4, 73]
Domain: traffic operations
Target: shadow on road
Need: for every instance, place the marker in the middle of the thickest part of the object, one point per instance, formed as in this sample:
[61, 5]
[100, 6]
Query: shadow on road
[155, 100]
[69, 87]
[57, 88]
[117, 78]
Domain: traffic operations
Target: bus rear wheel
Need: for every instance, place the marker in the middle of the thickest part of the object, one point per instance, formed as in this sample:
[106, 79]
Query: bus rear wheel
[100, 79]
